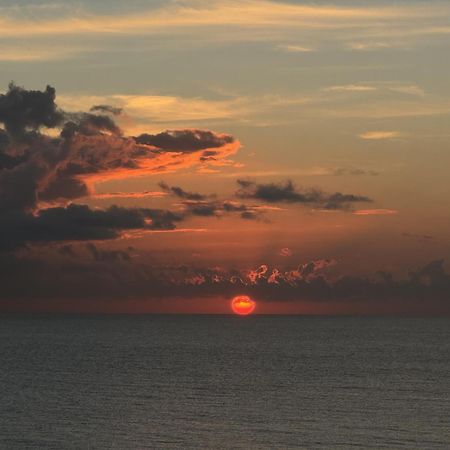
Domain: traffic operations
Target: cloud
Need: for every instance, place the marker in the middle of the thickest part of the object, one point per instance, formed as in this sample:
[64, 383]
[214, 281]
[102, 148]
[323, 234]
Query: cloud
[380, 135]
[201, 15]
[80, 223]
[405, 89]
[21, 109]
[107, 255]
[287, 192]
[90, 148]
[112, 195]
[145, 112]
[370, 46]
[181, 193]
[185, 140]
[106, 109]
[351, 88]
[39, 169]
[354, 171]
[20, 54]
[375, 212]
[201, 205]
[424, 290]
[286, 251]
[294, 48]
[223, 207]
[161, 108]
[412, 89]
[87, 31]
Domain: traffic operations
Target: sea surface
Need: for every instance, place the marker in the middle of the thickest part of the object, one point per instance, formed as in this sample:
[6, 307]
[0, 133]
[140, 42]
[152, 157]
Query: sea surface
[209, 382]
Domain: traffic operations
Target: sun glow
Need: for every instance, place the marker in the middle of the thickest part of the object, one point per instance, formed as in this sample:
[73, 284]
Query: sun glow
[243, 305]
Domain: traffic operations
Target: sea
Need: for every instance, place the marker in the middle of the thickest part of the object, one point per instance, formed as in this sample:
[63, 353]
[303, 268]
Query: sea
[224, 382]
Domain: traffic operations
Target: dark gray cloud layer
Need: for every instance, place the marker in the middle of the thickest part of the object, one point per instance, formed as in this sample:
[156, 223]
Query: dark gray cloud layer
[107, 255]
[111, 275]
[21, 109]
[198, 204]
[181, 193]
[80, 223]
[107, 109]
[219, 208]
[185, 140]
[286, 192]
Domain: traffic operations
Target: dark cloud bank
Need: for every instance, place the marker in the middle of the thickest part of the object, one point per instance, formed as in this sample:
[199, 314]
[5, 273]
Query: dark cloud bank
[43, 174]
[37, 168]
[83, 276]
[287, 192]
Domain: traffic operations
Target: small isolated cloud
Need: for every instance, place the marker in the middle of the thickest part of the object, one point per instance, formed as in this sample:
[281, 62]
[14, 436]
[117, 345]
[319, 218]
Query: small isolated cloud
[185, 140]
[375, 212]
[286, 251]
[380, 135]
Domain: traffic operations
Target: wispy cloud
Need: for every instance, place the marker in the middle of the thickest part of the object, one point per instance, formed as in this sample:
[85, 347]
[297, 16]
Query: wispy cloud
[375, 212]
[411, 89]
[406, 89]
[350, 88]
[295, 48]
[160, 108]
[201, 14]
[28, 54]
[380, 135]
[118, 195]
[151, 112]
[370, 46]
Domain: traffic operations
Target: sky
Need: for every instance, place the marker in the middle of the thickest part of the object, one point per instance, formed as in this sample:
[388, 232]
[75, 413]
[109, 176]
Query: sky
[165, 156]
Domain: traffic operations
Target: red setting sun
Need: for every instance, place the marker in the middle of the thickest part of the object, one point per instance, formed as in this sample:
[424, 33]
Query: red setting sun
[243, 305]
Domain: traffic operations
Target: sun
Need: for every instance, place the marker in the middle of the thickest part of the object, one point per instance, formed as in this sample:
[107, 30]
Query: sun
[243, 305]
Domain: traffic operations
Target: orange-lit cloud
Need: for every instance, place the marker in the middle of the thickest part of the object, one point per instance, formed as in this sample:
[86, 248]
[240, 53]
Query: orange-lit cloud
[112, 195]
[54, 171]
[204, 14]
[286, 251]
[155, 162]
[375, 212]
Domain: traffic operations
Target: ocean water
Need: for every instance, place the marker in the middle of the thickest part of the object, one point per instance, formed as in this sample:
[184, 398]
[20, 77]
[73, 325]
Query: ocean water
[203, 382]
